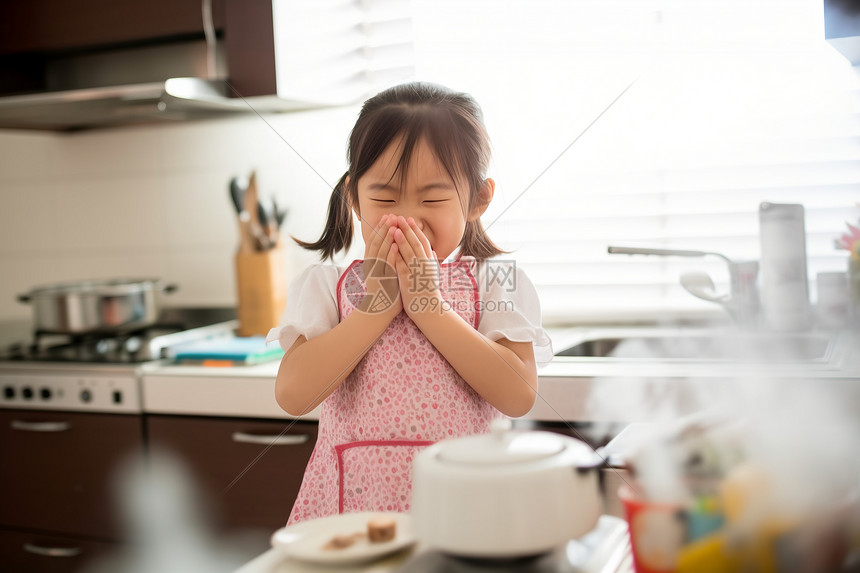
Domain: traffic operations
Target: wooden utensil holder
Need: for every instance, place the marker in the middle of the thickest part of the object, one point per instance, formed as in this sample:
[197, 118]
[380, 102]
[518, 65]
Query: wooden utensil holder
[261, 282]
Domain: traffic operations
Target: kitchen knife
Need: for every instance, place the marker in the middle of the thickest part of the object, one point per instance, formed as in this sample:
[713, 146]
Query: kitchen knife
[251, 204]
[268, 223]
[237, 193]
[278, 214]
[237, 196]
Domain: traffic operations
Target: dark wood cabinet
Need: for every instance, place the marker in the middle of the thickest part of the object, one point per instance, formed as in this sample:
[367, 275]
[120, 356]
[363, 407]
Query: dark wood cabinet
[58, 470]
[249, 471]
[52, 45]
[27, 552]
[61, 25]
[59, 508]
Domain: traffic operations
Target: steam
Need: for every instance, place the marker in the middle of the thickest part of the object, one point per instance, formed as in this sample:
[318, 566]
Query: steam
[166, 524]
[760, 408]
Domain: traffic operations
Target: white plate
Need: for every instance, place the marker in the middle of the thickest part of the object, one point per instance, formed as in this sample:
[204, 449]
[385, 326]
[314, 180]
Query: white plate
[305, 540]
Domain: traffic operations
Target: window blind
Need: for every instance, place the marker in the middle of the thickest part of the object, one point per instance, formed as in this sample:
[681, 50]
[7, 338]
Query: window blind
[341, 51]
[732, 103]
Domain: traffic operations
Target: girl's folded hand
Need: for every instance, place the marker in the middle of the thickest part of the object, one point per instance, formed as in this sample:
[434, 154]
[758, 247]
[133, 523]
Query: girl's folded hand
[417, 269]
[380, 256]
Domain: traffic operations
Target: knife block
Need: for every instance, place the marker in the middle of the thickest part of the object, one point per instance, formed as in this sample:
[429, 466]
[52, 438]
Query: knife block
[261, 285]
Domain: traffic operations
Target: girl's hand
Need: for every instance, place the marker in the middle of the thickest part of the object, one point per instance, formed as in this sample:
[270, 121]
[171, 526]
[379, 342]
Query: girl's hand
[417, 270]
[380, 256]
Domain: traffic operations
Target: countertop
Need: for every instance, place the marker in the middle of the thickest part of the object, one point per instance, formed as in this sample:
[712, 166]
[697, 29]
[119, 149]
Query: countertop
[568, 386]
[606, 549]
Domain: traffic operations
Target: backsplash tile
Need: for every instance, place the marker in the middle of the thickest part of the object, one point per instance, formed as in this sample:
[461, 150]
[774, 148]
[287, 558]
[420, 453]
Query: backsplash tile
[20, 275]
[27, 218]
[109, 214]
[222, 143]
[204, 276]
[135, 263]
[197, 210]
[152, 201]
[27, 157]
[109, 153]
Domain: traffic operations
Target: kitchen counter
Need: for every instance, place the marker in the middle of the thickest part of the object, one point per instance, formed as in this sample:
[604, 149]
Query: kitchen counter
[606, 549]
[237, 391]
[568, 386]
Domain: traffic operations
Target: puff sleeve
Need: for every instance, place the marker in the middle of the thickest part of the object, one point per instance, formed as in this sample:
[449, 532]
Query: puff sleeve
[510, 307]
[311, 306]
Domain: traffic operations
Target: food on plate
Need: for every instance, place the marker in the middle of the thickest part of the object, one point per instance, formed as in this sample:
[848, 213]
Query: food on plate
[381, 529]
[344, 541]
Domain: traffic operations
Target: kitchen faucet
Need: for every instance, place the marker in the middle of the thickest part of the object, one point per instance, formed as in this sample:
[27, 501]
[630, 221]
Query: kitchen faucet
[741, 302]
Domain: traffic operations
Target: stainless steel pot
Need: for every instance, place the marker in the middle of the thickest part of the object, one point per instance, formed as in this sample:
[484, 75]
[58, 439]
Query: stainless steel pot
[96, 306]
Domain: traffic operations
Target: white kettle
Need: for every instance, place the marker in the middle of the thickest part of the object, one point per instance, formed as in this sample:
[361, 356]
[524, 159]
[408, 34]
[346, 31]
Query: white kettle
[508, 493]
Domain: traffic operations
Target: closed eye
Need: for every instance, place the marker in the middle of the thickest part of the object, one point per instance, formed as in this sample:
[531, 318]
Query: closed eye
[383, 200]
[436, 200]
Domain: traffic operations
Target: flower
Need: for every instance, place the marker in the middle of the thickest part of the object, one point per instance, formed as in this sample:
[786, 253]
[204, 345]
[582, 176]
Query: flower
[850, 241]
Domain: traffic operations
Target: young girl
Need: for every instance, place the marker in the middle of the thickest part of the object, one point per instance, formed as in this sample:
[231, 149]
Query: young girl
[401, 348]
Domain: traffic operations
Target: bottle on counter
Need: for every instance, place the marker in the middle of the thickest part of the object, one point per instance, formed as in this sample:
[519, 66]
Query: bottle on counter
[833, 308]
[785, 286]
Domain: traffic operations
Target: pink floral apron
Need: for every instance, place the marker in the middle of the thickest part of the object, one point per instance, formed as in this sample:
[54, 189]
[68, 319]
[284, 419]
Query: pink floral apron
[401, 397]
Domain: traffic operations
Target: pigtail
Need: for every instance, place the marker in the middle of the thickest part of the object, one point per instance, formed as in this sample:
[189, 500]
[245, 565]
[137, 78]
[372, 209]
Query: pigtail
[477, 243]
[337, 235]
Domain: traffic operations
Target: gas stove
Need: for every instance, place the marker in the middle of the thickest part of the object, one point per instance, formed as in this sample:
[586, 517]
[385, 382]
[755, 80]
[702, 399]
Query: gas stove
[99, 371]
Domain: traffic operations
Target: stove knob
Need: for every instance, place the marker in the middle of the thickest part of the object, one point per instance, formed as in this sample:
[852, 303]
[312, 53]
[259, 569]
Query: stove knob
[86, 395]
[105, 346]
[133, 344]
[27, 393]
[9, 392]
[45, 393]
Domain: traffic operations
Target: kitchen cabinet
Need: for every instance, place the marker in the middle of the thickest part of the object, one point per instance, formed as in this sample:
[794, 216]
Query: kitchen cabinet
[57, 510]
[57, 505]
[248, 471]
[58, 25]
[58, 470]
[26, 552]
[54, 45]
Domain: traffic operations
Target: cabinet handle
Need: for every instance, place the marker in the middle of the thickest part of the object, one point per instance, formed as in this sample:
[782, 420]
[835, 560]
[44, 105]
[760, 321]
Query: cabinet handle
[52, 551]
[40, 426]
[276, 440]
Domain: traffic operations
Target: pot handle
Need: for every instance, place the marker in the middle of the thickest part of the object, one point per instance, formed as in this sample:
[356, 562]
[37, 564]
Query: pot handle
[596, 462]
[24, 298]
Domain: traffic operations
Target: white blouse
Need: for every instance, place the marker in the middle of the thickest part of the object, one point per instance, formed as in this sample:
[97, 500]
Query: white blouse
[509, 306]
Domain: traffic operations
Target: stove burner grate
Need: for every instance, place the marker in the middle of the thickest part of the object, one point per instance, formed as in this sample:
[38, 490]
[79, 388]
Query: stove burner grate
[125, 347]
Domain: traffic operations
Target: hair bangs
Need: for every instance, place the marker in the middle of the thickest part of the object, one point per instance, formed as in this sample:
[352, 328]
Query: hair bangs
[452, 125]
[406, 126]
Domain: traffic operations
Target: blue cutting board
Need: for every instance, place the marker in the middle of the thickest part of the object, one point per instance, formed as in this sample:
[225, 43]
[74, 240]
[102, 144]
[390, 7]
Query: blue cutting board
[239, 350]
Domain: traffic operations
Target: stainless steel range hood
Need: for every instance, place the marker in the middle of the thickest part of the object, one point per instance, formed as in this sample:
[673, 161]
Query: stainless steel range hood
[269, 56]
[165, 83]
[176, 99]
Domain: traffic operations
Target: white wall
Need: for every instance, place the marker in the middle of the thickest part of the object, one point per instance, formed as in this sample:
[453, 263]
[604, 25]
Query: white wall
[152, 201]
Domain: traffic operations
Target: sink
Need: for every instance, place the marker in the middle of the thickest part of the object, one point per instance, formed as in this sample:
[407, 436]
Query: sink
[735, 346]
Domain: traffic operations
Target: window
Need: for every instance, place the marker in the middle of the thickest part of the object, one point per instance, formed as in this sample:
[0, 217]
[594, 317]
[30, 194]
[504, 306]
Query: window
[337, 51]
[732, 103]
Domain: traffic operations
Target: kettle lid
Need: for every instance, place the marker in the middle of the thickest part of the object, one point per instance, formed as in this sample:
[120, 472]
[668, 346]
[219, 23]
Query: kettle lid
[501, 447]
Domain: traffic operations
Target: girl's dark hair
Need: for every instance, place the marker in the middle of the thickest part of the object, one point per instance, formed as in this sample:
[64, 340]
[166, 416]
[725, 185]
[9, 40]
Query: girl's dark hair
[453, 124]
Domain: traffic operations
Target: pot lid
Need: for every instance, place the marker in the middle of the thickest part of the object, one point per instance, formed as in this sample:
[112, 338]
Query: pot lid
[102, 287]
[502, 447]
